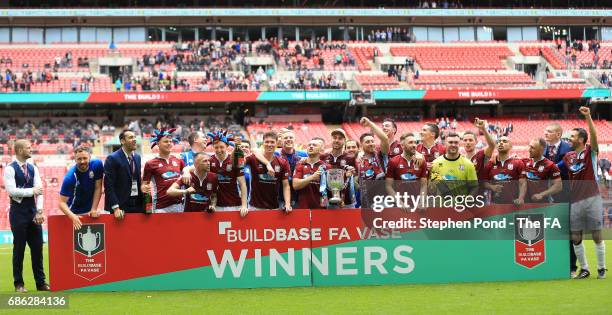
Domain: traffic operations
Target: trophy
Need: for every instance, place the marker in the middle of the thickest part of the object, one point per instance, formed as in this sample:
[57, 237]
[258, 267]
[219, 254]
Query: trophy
[529, 234]
[89, 241]
[335, 182]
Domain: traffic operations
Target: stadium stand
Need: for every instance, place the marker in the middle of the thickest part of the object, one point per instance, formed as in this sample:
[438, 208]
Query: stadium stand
[216, 66]
[443, 57]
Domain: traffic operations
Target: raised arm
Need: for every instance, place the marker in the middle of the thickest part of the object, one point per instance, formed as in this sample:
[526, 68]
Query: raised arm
[482, 126]
[592, 131]
[384, 140]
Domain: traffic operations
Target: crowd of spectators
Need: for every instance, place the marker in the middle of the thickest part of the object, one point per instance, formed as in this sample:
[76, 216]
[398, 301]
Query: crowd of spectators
[403, 73]
[571, 50]
[391, 34]
[23, 81]
[444, 4]
[205, 124]
[75, 132]
[306, 79]
[195, 56]
[296, 54]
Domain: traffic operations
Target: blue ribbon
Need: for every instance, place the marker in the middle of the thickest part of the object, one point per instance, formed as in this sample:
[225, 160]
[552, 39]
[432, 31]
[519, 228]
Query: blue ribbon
[351, 188]
[323, 181]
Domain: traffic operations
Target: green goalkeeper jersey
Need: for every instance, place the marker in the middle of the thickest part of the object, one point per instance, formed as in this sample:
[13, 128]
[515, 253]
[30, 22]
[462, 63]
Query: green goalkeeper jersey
[452, 177]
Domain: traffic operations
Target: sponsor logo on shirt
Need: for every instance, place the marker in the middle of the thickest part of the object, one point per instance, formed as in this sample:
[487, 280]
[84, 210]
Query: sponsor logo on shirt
[198, 197]
[532, 176]
[502, 176]
[408, 176]
[168, 175]
[265, 177]
[222, 178]
[576, 167]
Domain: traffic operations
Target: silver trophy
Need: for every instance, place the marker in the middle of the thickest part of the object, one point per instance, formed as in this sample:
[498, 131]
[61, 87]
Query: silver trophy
[335, 182]
[89, 241]
[529, 234]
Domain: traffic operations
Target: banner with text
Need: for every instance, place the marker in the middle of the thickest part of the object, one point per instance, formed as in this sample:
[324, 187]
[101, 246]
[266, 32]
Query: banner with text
[274, 249]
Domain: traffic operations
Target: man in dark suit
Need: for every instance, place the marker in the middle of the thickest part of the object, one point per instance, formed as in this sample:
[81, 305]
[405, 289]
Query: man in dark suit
[555, 151]
[122, 178]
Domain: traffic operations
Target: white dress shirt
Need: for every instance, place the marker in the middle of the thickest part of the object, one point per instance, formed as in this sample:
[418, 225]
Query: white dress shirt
[17, 194]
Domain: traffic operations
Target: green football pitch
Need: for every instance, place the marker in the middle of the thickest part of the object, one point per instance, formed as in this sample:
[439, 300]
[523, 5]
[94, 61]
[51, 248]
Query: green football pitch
[589, 296]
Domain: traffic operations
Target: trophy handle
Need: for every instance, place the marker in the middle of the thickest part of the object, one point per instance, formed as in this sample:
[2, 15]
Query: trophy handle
[99, 239]
[80, 240]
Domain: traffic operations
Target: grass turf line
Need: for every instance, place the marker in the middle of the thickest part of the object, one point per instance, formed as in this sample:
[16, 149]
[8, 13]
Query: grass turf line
[590, 296]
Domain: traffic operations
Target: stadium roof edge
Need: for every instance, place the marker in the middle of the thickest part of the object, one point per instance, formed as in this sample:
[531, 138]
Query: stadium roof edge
[275, 12]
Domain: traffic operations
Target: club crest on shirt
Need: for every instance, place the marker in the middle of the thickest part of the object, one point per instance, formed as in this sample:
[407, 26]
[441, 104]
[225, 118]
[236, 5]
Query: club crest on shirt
[160, 165]
[401, 166]
[461, 167]
[174, 163]
[228, 168]
[510, 166]
[343, 163]
[277, 168]
[396, 150]
[209, 186]
[213, 164]
[541, 168]
[437, 154]
[91, 174]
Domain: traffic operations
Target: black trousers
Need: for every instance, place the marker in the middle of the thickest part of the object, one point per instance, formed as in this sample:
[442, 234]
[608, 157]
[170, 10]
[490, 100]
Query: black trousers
[573, 266]
[133, 205]
[25, 231]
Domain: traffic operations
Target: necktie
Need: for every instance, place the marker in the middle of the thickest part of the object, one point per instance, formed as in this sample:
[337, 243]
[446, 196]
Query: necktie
[552, 152]
[132, 164]
[25, 171]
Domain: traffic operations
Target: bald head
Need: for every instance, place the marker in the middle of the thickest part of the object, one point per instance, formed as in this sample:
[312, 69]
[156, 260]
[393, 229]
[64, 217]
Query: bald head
[23, 149]
[20, 144]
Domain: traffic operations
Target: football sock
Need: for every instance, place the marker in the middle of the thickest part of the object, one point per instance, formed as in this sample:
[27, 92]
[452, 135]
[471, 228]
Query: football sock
[600, 251]
[581, 256]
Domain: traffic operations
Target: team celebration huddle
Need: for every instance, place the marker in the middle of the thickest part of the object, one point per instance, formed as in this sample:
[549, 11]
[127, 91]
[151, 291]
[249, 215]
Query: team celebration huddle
[278, 176]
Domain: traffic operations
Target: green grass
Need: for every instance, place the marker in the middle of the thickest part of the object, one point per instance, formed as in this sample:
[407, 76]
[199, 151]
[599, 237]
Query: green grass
[590, 296]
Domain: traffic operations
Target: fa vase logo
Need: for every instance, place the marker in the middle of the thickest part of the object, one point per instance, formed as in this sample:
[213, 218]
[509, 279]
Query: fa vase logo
[89, 251]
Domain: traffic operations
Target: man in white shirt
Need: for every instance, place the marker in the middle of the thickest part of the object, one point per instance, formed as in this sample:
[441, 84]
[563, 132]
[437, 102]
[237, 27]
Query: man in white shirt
[24, 187]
